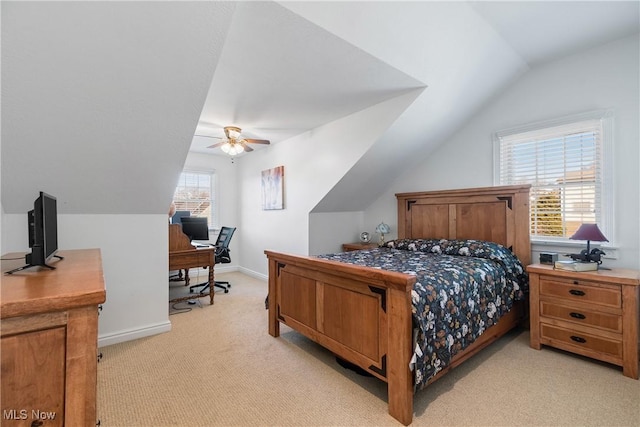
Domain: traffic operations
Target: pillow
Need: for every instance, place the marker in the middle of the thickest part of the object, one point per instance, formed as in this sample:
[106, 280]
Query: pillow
[467, 247]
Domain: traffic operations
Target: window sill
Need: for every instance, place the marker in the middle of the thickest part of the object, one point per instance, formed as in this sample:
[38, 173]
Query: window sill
[562, 248]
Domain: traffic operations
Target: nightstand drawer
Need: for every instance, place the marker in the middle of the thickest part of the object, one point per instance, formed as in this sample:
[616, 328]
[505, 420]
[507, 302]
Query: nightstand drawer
[606, 321]
[581, 290]
[576, 341]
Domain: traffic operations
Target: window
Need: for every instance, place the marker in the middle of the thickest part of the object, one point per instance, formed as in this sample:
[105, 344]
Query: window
[195, 193]
[564, 161]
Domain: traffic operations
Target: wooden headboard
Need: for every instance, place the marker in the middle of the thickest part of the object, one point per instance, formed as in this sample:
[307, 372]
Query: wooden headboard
[495, 214]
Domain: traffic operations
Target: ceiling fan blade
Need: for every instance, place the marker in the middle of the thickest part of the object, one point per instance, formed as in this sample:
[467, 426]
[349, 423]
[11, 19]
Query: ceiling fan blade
[217, 145]
[208, 136]
[245, 146]
[257, 141]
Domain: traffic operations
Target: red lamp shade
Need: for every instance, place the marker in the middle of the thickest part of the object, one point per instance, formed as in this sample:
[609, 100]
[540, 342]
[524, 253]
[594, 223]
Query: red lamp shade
[589, 232]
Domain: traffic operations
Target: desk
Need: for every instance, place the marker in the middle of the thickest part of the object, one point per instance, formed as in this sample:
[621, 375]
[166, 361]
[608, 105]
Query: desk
[50, 338]
[184, 256]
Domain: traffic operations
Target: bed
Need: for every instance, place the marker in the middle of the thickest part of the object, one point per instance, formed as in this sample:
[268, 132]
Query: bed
[371, 311]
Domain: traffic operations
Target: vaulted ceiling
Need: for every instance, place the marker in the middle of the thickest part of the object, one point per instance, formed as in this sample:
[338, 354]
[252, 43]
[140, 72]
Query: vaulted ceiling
[92, 90]
[288, 67]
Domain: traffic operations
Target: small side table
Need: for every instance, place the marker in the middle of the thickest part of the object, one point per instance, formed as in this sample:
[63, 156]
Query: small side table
[592, 313]
[358, 246]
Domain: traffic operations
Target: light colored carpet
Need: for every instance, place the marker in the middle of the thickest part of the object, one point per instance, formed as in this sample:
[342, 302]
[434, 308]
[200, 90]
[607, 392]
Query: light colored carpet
[219, 367]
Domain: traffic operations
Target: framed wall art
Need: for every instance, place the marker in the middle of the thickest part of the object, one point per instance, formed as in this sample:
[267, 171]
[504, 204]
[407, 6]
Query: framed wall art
[273, 188]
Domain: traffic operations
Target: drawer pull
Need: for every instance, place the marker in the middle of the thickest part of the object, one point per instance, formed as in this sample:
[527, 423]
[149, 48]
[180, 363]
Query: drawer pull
[577, 292]
[577, 315]
[578, 339]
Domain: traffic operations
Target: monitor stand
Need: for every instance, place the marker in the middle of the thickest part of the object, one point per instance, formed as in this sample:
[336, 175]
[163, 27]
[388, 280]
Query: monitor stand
[33, 265]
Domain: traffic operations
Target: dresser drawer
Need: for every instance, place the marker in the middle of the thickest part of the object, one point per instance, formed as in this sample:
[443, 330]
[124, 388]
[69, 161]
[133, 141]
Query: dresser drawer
[581, 316]
[580, 342]
[581, 290]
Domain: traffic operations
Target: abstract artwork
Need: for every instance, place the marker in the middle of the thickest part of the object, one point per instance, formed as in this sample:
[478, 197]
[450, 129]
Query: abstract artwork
[273, 188]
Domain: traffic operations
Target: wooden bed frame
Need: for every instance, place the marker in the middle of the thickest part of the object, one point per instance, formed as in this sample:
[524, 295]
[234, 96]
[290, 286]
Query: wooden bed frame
[363, 315]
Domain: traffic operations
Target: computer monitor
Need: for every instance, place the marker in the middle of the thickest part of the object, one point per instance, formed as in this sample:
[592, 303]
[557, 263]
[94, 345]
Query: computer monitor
[43, 232]
[177, 217]
[195, 227]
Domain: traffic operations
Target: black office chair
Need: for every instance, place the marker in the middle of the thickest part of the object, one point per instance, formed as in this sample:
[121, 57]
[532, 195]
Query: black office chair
[222, 257]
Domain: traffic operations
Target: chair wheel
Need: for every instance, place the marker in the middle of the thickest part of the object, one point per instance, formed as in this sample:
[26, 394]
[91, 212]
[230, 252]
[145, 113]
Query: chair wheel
[190, 291]
[226, 291]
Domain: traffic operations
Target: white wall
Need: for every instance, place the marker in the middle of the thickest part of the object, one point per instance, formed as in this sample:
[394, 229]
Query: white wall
[603, 77]
[134, 259]
[346, 225]
[313, 163]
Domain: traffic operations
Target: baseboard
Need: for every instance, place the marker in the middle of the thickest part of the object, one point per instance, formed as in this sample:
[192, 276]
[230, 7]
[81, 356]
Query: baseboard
[133, 334]
[253, 274]
[221, 268]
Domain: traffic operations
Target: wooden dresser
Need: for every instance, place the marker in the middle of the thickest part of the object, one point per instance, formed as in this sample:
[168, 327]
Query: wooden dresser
[49, 338]
[593, 313]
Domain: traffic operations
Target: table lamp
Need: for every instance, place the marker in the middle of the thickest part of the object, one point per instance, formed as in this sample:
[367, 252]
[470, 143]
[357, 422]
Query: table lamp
[383, 229]
[589, 232]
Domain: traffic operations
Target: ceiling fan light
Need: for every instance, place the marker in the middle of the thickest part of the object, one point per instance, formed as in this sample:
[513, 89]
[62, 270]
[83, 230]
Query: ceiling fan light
[232, 149]
[236, 149]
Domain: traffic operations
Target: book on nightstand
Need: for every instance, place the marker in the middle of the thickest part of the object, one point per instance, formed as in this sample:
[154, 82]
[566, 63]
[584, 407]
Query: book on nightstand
[575, 266]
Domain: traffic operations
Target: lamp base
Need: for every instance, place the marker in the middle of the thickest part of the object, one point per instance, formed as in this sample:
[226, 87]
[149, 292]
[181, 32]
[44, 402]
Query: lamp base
[585, 256]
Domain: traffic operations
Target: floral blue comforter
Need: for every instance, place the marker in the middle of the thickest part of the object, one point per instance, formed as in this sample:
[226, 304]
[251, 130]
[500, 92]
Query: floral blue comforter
[462, 288]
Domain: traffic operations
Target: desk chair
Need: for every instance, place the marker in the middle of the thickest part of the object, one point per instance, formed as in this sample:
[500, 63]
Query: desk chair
[222, 257]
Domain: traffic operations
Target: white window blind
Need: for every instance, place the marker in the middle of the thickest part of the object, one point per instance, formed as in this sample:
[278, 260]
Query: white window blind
[195, 193]
[564, 165]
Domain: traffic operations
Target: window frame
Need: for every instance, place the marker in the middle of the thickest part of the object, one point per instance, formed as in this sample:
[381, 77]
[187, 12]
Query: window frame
[212, 219]
[605, 210]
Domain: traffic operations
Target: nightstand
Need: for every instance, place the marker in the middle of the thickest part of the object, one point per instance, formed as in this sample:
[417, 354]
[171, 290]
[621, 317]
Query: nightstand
[594, 313]
[357, 246]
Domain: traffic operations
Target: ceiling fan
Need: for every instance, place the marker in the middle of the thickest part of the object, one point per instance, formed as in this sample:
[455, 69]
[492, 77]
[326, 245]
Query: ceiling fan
[234, 143]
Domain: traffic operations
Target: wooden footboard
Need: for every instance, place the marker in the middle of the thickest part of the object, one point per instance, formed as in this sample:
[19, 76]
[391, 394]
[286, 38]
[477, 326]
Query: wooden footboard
[361, 314]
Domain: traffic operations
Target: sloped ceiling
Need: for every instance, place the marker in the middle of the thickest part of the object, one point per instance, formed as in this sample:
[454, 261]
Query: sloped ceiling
[283, 75]
[542, 31]
[93, 90]
[100, 100]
